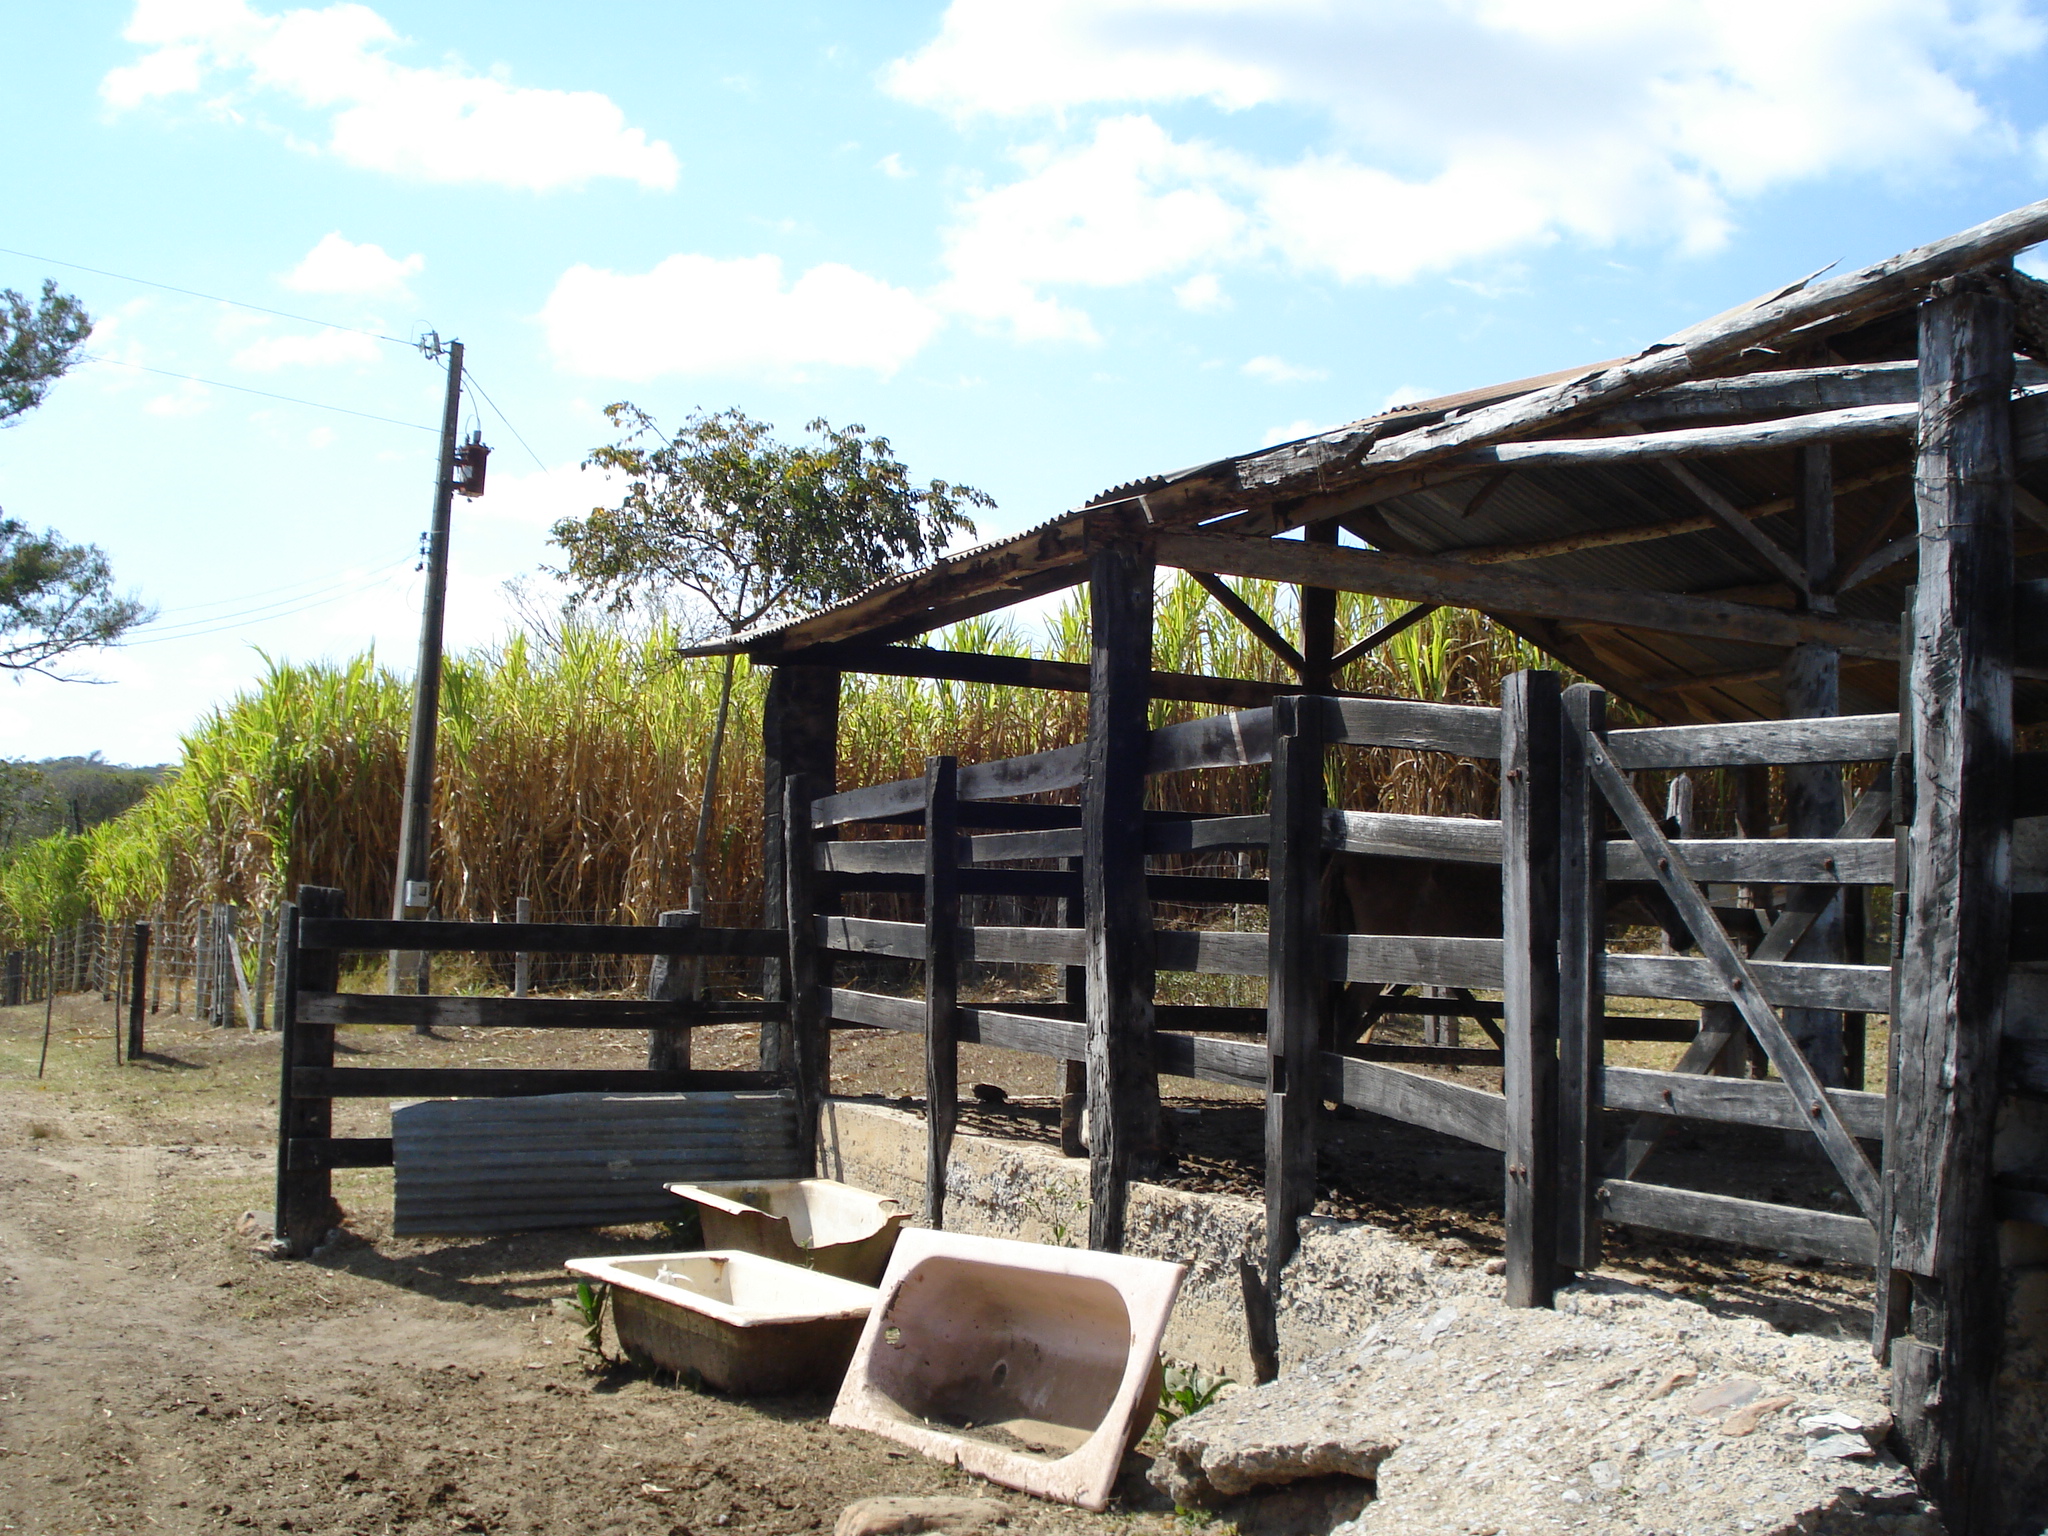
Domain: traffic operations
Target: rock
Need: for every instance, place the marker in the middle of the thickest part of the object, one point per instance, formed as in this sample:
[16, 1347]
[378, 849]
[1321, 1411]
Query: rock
[904, 1515]
[1712, 1402]
[1283, 1432]
[1743, 1421]
[1839, 1448]
[1671, 1381]
[1496, 1266]
[249, 1224]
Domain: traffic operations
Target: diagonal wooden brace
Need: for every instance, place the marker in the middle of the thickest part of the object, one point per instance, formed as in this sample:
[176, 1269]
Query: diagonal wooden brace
[1734, 972]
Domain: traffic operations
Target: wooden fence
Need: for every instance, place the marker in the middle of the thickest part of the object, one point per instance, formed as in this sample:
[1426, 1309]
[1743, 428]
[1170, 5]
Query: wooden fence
[1561, 773]
[313, 936]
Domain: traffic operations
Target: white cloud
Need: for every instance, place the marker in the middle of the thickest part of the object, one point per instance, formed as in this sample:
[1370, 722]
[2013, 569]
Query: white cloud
[188, 399]
[1307, 426]
[446, 124]
[892, 166]
[316, 349]
[1441, 134]
[697, 315]
[1203, 293]
[1406, 394]
[1275, 370]
[337, 266]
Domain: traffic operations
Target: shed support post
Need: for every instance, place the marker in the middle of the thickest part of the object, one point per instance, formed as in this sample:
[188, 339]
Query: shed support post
[1294, 985]
[672, 979]
[1073, 1074]
[1582, 998]
[305, 1196]
[1123, 1085]
[799, 734]
[1530, 716]
[941, 977]
[1318, 620]
[1939, 1235]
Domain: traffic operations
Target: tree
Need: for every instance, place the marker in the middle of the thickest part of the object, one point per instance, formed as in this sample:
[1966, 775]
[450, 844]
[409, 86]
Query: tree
[55, 597]
[746, 529]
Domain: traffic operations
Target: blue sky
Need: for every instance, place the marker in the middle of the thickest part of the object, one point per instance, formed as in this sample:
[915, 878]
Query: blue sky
[1045, 248]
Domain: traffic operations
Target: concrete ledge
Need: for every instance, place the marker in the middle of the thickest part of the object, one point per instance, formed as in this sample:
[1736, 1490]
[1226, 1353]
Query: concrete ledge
[1345, 1275]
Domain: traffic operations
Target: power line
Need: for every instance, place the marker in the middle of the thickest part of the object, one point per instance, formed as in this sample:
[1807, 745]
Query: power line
[350, 583]
[318, 405]
[470, 377]
[214, 298]
[318, 602]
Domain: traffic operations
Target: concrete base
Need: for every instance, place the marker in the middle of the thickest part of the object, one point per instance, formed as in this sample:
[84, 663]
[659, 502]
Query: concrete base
[1345, 1275]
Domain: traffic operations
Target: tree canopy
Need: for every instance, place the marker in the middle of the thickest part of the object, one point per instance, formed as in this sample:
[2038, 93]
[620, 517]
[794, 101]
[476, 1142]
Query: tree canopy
[56, 597]
[747, 528]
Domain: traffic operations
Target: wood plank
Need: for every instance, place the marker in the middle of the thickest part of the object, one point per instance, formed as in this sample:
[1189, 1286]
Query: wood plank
[370, 933]
[1295, 992]
[1776, 392]
[1123, 1088]
[1843, 739]
[1429, 1055]
[1242, 739]
[515, 1082]
[875, 1010]
[1432, 578]
[1369, 643]
[1940, 1237]
[1066, 1039]
[1253, 621]
[1029, 672]
[1767, 861]
[1743, 986]
[1751, 1223]
[523, 1012]
[1471, 1114]
[1416, 961]
[1530, 718]
[1734, 1100]
[311, 1153]
[1462, 839]
[1198, 835]
[1854, 424]
[1581, 995]
[1464, 729]
[1733, 520]
[941, 978]
[1240, 1063]
[1210, 952]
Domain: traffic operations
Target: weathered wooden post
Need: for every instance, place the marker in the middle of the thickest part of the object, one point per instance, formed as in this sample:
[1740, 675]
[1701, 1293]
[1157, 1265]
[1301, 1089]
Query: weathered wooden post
[14, 975]
[808, 976]
[138, 982]
[1073, 1074]
[941, 976]
[522, 960]
[1530, 716]
[1295, 989]
[799, 735]
[1939, 1235]
[305, 1187]
[1123, 1083]
[671, 979]
[1582, 997]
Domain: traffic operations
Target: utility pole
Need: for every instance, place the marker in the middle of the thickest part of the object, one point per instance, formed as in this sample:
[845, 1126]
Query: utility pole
[411, 896]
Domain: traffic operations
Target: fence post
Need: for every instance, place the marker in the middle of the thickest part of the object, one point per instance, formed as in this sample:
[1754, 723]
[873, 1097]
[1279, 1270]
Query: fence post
[138, 977]
[809, 977]
[941, 977]
[670, 980]
[259, 994]
[1940, 1237]
[1073, 1074]
[1529, 721]
[1582, 997]
[1123, 1073]
[14, 978]
[1295, 992]
[305, 1188]
[522, 960]
[799, 735]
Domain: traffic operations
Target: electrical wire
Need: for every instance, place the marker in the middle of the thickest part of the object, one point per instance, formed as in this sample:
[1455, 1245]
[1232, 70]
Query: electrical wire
[267, 394]
[198, 634]
[469, 377]
[346, 584]
[214, 298]
[301, 588]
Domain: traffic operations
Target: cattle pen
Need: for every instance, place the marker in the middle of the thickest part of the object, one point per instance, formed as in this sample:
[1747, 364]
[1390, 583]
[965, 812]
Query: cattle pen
[1808, 536]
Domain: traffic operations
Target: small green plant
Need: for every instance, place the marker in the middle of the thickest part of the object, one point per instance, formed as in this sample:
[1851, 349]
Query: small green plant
[1186, 1390]
[1059, 1211]
[591, 1301]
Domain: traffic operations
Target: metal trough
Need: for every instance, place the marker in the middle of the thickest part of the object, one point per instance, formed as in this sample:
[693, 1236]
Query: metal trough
[740, 1323]
[1034, 1367]
[820, 1224]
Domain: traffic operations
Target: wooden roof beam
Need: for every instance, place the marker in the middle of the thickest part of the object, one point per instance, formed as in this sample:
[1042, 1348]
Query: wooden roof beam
[1428, 579]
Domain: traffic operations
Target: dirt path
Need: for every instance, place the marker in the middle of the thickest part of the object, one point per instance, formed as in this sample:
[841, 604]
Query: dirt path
[158, 1374]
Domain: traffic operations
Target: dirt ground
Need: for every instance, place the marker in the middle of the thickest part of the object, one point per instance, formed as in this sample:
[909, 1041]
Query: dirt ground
[158, 1371]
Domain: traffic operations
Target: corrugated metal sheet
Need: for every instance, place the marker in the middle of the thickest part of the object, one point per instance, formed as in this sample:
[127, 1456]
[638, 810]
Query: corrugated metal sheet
[578, 1159]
